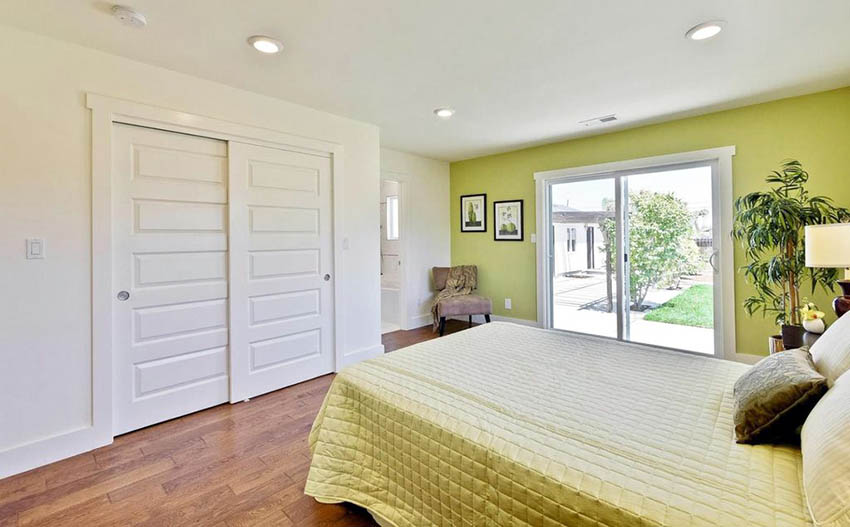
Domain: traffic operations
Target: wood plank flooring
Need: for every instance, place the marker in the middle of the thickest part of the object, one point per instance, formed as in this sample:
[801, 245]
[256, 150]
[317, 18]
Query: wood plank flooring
[232, 465]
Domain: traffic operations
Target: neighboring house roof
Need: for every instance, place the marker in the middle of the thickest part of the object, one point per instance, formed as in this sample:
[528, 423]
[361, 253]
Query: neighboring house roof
[561, 214]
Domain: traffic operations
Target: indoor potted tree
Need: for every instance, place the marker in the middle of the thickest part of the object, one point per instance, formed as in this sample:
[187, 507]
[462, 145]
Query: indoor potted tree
[770, 225]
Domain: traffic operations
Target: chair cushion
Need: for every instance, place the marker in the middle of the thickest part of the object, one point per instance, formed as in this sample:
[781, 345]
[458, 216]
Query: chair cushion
[464, 305]
[440, 276]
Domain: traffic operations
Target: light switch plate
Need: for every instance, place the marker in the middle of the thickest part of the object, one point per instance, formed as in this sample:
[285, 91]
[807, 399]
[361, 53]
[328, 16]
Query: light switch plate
[533, 238]
[507, 303]
[35, 248]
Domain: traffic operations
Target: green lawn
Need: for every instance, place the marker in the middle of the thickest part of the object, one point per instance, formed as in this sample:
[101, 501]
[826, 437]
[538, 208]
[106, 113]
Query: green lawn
[692, 307]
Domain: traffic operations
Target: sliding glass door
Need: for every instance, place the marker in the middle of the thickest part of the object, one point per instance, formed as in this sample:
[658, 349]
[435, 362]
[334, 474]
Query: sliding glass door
[632, 256]
[671, 249]
[584, 286]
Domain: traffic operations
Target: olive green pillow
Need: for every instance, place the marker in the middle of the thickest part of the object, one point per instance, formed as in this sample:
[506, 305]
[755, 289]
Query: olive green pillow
[774, 397]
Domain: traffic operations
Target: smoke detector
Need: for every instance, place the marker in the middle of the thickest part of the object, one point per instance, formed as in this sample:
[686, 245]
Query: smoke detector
[599, 120]
[128, 16]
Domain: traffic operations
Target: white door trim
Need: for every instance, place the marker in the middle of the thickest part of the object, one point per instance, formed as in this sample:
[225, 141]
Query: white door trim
[106, 111]
[722, 156]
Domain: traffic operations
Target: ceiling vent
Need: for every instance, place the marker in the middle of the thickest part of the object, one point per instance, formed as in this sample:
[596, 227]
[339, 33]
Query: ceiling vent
[599, 120]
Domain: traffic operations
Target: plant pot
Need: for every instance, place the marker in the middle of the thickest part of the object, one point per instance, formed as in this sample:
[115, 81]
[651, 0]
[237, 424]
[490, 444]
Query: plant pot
[792, 336]
[774, 344]
[814, 326]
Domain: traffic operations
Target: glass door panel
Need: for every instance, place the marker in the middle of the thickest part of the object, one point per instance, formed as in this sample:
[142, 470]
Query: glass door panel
[582, 256]
[669, 240]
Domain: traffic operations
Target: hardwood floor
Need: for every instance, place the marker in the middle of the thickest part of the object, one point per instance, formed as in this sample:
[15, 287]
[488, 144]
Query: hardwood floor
[402, 339]
[232, 465]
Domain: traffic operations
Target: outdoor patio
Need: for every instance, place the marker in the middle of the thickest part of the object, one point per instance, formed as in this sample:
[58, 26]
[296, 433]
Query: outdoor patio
[580, 304]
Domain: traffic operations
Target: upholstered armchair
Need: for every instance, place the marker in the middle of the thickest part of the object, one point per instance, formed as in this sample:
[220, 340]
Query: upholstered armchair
[468, 305]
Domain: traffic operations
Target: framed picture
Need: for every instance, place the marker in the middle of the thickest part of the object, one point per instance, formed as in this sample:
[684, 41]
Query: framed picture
[508, 220]
[473, 213]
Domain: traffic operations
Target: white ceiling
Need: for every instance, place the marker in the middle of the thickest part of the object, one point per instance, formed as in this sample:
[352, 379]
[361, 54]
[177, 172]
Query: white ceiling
[518, 73]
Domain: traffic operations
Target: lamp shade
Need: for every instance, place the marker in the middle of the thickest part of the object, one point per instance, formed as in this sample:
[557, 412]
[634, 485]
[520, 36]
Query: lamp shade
[828, 245]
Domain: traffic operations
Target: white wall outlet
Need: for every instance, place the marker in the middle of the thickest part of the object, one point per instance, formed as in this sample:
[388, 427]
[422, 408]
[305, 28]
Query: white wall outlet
[533, 238]
[507, 303]
[35, 248]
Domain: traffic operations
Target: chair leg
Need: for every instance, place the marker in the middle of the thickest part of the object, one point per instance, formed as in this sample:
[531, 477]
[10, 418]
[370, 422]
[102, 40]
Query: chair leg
[487, 318]
[470, 320]
[442, 325]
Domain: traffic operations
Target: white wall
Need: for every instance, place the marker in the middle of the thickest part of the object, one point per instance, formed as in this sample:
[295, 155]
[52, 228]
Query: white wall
[45, 191]
[425, 232]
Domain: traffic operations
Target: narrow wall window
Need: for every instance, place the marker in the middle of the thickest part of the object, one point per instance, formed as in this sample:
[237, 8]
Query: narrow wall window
[392, 217]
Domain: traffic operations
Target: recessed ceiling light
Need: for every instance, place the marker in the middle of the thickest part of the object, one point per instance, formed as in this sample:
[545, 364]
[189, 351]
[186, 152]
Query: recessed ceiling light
[128, 16]
[444, 113]
[705, 30]
[265, 44]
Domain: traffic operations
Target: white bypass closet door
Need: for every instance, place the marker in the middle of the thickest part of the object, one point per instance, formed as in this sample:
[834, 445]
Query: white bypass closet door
[281, 312]
[170, 327]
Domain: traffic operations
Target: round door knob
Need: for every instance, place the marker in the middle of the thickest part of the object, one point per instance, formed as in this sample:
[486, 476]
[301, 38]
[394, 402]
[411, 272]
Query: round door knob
[327, 277]
[123, 295]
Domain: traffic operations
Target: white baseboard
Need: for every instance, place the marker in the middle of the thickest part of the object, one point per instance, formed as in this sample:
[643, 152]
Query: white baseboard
[48, 450]
[499, 318]
[520, 321]
[361, 354]
[41, 452]
[425, 320]
[418, 321]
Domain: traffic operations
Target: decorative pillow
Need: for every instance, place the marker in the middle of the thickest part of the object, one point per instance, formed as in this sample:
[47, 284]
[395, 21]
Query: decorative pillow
[774, 397]
[825, 444]
[831, 352]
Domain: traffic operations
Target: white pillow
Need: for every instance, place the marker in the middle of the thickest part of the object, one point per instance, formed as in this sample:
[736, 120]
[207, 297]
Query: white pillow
[825, 444]
[831, 352]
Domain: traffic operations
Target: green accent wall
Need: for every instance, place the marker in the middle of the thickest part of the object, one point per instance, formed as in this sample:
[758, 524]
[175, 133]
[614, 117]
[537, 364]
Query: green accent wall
[812, 128]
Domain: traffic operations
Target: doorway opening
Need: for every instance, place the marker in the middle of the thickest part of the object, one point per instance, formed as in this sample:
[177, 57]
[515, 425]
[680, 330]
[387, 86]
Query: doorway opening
[391, 256]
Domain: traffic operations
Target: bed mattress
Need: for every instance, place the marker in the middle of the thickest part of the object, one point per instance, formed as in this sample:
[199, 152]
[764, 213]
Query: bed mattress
[510, 425]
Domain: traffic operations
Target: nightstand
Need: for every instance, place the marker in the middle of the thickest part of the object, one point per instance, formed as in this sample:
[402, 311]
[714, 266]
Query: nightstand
[775, 343]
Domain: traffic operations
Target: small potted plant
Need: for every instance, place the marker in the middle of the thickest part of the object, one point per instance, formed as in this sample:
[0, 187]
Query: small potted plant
[769, 225]
[812, 318]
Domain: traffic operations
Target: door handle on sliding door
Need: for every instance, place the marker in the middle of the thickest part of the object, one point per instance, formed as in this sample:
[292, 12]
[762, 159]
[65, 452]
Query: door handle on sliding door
[711, 262]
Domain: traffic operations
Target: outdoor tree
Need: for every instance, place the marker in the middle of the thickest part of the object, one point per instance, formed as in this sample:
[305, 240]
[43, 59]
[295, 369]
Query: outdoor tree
[607, 228]
[661, 245]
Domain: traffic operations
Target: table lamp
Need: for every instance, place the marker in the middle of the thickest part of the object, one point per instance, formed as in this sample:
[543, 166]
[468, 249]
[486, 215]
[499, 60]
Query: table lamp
[829, 246]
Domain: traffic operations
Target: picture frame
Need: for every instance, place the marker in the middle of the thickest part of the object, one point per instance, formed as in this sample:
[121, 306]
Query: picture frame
[508, 220]
[473, 213]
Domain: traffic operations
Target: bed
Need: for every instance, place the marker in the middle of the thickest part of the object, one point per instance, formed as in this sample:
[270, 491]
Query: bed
[510, 425]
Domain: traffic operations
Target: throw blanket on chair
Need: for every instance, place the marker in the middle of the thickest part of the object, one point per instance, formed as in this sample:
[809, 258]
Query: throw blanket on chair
[460, 281]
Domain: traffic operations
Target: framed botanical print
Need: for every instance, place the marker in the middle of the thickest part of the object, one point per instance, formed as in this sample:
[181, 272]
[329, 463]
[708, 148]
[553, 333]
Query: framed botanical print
[473, 213]
[508, 221]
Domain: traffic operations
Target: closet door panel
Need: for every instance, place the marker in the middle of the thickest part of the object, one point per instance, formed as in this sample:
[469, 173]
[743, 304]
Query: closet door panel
[170, 265]
[280, 274]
